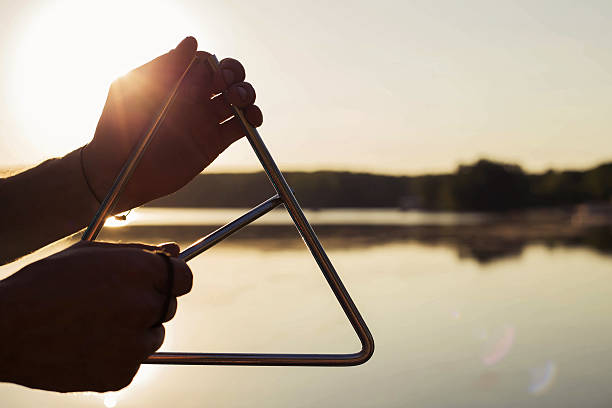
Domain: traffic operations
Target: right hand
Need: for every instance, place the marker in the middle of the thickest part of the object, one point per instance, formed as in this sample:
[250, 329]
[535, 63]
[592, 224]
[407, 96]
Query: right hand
[194, 132]
[85, 318]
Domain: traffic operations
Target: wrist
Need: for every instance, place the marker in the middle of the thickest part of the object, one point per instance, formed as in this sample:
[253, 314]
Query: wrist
[84, 172]
[73, 164]
[95, 169]
[100, 168]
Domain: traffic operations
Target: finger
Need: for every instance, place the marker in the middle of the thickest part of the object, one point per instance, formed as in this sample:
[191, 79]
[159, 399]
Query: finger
[158, 312]
[122, 375]
[171, 247]
[180, 57]
[222, 111]
[171, 312]
[186, 49]
[229, 72]
[254, 115]
[241, 94]
[150, 308]
[183, 278]
[199, 85]
[216, 78]
[154, 338]
[167, 68]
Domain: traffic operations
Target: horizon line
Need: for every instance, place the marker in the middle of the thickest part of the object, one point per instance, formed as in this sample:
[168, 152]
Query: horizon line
[7, 171]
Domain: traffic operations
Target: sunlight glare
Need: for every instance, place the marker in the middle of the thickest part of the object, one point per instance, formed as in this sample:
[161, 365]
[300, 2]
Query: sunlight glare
[110, 401]
[69, 54]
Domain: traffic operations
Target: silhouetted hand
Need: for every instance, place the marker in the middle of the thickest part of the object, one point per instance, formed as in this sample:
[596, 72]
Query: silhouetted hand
[86, 318]
[191, 136]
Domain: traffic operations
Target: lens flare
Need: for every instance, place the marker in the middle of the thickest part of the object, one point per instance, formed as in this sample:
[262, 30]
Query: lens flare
[542, 378]
[498, 347]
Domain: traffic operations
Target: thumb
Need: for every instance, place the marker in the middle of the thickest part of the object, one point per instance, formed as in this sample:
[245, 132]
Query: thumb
[170, 247]
[166, 69]
[179, 58]
[184, 51]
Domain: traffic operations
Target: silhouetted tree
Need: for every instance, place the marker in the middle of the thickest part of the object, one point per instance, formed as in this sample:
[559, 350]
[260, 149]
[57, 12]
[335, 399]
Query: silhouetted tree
[489, 186]
[482, 186]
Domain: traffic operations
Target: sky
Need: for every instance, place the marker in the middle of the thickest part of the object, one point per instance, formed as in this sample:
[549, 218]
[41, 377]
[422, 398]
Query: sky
[397, 87]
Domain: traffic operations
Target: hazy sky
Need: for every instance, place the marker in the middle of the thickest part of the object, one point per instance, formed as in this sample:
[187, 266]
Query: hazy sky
[384, 86]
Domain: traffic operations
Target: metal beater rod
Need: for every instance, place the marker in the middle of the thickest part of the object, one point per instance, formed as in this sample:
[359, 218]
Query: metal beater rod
[228, 229]
[109, 202]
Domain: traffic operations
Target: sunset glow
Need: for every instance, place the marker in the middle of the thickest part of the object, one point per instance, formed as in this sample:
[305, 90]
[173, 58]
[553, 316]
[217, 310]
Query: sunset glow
[64, 63]
[399, 87]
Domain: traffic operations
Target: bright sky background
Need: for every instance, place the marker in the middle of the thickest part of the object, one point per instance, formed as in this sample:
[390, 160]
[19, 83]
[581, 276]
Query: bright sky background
[384, 86]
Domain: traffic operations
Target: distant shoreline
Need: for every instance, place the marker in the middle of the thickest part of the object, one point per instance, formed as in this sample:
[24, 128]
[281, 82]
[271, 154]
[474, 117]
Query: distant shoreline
[484, 186]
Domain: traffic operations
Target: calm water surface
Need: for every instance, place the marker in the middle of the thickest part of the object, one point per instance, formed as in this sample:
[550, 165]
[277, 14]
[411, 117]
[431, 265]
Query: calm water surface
[220, 216]
[528, 331]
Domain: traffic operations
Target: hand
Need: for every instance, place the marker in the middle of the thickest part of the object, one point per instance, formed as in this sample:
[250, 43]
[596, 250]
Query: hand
[85, 318]
[191, 136]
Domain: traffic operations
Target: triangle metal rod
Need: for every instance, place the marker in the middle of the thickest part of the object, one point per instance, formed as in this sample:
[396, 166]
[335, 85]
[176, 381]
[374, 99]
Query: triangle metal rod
[285, 196]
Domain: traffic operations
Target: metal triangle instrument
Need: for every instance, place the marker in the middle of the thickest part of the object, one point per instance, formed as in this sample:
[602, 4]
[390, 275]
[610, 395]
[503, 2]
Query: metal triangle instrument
[284, 196]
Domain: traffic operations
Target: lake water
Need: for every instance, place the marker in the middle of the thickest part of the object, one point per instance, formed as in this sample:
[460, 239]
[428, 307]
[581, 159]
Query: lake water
[214, 216]
[530, 330]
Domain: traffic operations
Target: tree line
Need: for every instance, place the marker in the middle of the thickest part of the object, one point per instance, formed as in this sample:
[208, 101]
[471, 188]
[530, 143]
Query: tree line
[482, 186]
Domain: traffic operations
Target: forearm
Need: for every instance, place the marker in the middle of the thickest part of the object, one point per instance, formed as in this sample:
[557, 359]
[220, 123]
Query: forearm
[42, 205]
[9, 335]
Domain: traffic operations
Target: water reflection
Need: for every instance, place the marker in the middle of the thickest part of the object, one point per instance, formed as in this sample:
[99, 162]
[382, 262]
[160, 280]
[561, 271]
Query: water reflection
[522, 334]
[482, 237]
[468, 243]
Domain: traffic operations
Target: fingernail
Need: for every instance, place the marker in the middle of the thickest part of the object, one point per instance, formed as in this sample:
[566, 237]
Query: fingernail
[243, 93]
[228, 74]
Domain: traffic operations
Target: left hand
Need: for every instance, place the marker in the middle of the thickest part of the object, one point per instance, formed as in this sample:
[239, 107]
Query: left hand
[189, 139]
[86, 318]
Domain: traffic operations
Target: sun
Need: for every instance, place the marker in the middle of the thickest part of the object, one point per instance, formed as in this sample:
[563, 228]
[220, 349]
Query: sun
[69, 53]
